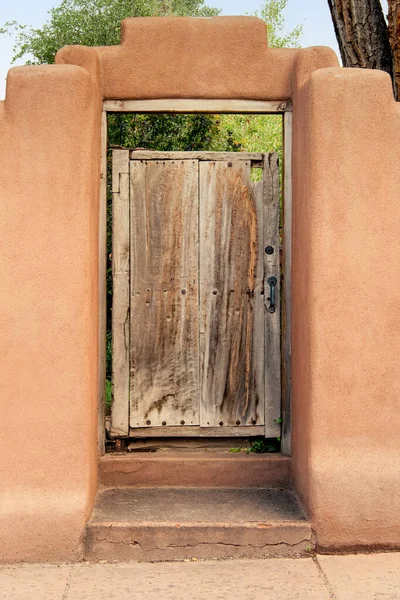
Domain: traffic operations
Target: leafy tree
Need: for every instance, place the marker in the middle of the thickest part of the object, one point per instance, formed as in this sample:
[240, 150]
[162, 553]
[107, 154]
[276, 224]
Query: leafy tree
[365, 39]
[259, 132]
[272, 12]
[92, 23]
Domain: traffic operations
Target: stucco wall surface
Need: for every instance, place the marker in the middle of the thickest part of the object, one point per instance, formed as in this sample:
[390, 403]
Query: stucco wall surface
[184, 57]
[49, 180]
[346, 298]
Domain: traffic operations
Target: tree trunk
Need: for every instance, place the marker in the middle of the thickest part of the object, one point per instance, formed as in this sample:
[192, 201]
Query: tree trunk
[362, 33]
[394, 39]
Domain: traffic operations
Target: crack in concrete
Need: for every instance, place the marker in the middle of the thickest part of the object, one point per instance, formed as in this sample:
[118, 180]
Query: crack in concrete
[67, 584]
[121, 472]
[133, 543]
[228, 544]
[331, 592]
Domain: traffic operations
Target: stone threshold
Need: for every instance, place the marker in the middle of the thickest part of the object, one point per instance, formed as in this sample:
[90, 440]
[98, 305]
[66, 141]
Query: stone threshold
[164, 524]
[195, 469]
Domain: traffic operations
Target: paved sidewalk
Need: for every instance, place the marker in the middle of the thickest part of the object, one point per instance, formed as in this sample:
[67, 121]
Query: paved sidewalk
[358, 577]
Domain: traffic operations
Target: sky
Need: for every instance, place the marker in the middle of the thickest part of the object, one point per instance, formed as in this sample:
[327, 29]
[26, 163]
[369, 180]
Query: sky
[313, 14]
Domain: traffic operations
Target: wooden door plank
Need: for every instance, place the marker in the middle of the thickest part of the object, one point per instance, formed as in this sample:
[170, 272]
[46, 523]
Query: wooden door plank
[272, 320]
[194, 431]
[101, 433]
[231, 300]
[120, 164]
[201, 155]
[164, 293]
[120, 307]
[199, 105]
[287, 291]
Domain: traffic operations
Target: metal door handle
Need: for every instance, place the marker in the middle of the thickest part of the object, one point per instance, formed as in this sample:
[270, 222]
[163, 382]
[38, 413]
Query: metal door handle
[272, 281]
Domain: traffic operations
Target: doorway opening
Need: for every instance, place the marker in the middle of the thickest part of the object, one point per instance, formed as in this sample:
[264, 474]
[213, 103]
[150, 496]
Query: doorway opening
[190, 219]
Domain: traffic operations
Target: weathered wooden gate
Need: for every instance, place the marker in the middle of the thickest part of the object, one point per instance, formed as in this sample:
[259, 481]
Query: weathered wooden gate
[196, 282]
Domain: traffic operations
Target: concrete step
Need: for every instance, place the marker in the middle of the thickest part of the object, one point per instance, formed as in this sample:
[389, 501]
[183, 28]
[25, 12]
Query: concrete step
[198, 469]
[151, 524]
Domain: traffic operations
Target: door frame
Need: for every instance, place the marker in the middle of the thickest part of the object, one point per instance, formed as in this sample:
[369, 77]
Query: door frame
[188, 106]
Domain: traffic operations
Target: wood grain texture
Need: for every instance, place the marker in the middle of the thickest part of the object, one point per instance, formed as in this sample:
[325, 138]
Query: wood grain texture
[224, 156]
[197, 106]
[231, 301]
[164, 293]
[201, 347]
[120, 164]
[287, 287]
[272, 337]
[362, 34]
[101, 432]
[184, 431]
[394, 40]
[120, 308]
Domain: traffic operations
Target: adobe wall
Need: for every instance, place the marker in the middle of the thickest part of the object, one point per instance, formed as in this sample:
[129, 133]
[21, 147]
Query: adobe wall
[346, 298]
[49, 188]
[345, 273]
[184, 57]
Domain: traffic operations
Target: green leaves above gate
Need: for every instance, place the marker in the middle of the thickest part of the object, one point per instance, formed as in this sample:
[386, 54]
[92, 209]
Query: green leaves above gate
[92, 23]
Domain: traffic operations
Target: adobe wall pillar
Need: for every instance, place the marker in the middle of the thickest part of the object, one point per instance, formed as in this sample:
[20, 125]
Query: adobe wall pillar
[346, 315]
[49, 187]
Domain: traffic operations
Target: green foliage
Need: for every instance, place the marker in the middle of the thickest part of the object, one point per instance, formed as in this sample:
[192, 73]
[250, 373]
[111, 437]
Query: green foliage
[254, 133]
[91, 23]
[108, 369]
[108, 395]
[257, 132]
[169, 132]
[273, 14]
[263, 445]
[108, 351]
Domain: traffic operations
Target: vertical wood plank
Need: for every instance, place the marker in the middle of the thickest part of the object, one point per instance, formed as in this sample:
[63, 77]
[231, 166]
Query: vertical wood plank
[102, 288]
[272, 319]
[287, 288]
[258, 299]
[120, 307]
[120, 164]
[164, 293]
[231, 301]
